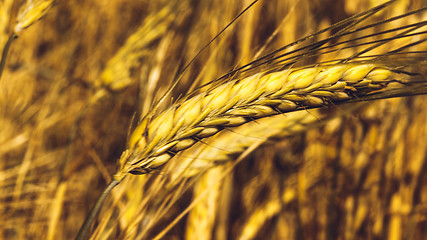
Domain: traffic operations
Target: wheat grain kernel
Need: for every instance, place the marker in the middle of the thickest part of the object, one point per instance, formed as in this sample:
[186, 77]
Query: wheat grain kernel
[303, 78]
[207, 132]
[379, 75]
[262, 111]
[214, 122]
[363, 83]
[330, 75]
[236, 121]
[269, 102]
[190, 133]
[248, 112]
[190, 108]
[219, 97]
[286, 105]
[183, 144]
[294, 97]
[337, 86]
[356, 73]
[161, 127]
[159, 161]
[136, 138]
[165, 148]
[247, 89]
[274, 81]
[321, 93]
[313, 101]
[341, 95]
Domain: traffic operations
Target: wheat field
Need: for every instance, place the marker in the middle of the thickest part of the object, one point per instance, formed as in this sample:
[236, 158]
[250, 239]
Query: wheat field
[291, 146]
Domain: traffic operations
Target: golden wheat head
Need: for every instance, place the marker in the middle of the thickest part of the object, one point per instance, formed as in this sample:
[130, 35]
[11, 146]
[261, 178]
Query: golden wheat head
[156, 140]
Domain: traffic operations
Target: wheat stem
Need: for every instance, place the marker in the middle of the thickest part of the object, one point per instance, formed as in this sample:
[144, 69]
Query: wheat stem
[5, 51]
[88, 222]
[393, 93]
[101, 93]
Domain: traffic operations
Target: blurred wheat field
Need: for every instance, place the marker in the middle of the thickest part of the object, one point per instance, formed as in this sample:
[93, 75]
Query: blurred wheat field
[352, 171]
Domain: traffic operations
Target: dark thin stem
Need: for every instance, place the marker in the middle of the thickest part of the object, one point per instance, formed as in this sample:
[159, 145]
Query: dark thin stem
[392, 93]
[5, 51]
[85, 227]
[72, 135]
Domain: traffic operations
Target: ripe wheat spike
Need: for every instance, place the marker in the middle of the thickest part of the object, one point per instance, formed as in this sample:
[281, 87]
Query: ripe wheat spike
[229, 144]
[155, 140]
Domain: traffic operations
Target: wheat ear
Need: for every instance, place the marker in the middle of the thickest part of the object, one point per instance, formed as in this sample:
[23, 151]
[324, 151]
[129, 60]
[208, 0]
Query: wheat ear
[30, 13]
[221, 148]
[5, 51]
[156, 140]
